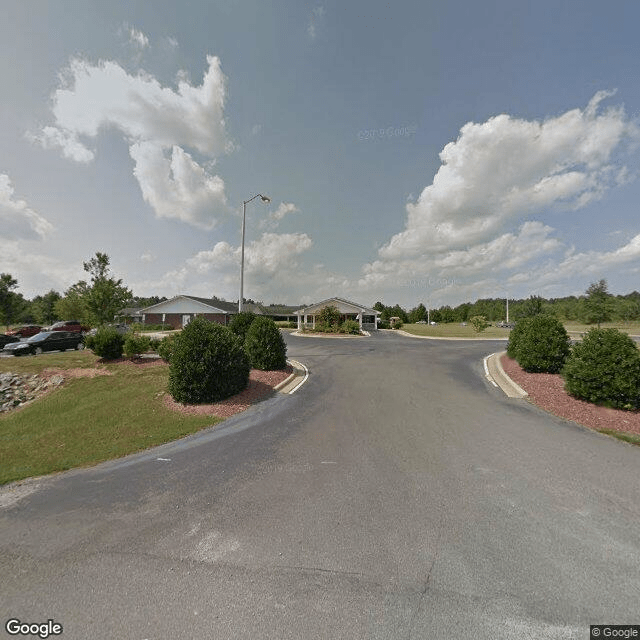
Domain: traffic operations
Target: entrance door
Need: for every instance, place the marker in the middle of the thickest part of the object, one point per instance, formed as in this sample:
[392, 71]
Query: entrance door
[185, 320]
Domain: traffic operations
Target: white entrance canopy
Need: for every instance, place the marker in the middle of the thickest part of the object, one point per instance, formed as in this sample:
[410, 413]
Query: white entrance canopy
[366, 317]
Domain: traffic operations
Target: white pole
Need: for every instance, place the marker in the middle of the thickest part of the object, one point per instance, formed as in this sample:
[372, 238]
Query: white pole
[244, 215]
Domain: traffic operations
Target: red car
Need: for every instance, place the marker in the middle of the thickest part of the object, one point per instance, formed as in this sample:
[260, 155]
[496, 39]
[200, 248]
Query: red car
[69, 325]
[25, 330]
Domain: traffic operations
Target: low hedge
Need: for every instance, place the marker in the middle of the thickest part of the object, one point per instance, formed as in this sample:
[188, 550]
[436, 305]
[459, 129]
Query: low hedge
[208, 363]
[539, 343]
[605, 369]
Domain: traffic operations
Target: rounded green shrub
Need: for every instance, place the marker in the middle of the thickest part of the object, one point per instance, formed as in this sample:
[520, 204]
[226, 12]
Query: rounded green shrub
[208, 363]
[350, 326]
[135, 344]
[165, 347]
[241, 322]
[107, 343]
[265, 345]
[539, 343]
[479, 323]
[605, 369]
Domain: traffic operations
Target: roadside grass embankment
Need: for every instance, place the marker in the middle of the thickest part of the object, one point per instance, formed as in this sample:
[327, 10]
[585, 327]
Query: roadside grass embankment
[457, 330]
[454, 330]
[88, 420]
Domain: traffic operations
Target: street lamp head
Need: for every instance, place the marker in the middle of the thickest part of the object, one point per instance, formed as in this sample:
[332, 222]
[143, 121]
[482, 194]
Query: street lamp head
[265, 198]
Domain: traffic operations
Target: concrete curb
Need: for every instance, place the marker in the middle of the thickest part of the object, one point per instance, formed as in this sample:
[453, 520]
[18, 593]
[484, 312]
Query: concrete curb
[295, 380]
[496, 373]
[338, 336]
[411, 335]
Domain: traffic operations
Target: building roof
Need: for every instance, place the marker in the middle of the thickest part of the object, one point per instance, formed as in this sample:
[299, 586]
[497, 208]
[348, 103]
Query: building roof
[213, 305]
[344, 306]
[190, 304]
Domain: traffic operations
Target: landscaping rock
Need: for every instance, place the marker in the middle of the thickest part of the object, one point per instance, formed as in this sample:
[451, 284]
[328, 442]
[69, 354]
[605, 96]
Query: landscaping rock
[17, 390]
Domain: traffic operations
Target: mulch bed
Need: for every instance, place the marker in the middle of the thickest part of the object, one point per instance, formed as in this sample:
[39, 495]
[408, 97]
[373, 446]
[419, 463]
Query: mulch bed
[546, 390]
[261, 385]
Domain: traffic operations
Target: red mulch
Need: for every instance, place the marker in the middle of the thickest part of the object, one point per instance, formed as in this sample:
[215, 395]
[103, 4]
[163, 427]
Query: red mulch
[261, 384]
[546, 390]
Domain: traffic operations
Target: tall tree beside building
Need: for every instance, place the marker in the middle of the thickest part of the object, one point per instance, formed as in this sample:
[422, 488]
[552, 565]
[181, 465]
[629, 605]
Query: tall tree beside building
[106, 295]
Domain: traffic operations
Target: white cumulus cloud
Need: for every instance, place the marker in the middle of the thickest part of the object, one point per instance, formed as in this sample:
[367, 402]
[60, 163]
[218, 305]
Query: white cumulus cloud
[506, 168]
[137, 38]
[17, 219]
[475, 218]
[158, 122]
[266, 255]
[176, 186]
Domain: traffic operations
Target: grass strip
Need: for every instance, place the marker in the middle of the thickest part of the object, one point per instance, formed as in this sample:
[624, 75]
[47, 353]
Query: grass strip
[632, 438]
[454, 330]
[90, 420]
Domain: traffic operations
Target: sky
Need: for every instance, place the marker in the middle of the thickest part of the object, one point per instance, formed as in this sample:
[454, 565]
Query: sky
[413, 152]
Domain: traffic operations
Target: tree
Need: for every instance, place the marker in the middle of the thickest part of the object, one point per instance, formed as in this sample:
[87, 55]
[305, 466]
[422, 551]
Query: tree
[598, 304]
[531, 307]
[328, 318]
[479, 323]
[106, 295]
[11, 303]
[73, 305]
[43, 307]
[417, 313]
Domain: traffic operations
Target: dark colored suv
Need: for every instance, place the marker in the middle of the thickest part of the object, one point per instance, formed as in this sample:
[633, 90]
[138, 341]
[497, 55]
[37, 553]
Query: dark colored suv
[46, 341]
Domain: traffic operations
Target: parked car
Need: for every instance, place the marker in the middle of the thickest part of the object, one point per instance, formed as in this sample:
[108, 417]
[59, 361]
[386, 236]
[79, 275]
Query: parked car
[46, 341]
[5, 339]
[25, 330]
[69, 325]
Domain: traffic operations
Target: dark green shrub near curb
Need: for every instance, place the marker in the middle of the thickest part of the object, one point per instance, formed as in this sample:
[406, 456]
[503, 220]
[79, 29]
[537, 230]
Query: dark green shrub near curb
[135, 344]
[208, 363]
[265, 345]
[107, 343]
[539, 343]
[165, 348]
[350, 326]
[605, 369]
[241, 322]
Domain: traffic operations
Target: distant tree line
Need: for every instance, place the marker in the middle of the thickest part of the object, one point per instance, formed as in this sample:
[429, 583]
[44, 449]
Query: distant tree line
[94, 302]
[595, 306]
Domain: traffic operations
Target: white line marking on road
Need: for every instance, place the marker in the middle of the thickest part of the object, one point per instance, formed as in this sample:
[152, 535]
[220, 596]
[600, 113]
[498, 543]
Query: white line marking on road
[164, 459]
[328, 462]
[306, 375]
[486, 370]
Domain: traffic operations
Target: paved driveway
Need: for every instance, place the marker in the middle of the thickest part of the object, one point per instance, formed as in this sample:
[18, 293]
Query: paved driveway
[397, 494]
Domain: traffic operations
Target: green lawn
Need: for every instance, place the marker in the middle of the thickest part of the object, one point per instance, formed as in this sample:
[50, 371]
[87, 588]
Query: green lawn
[88, 420]
[632, 328]
[454, 330]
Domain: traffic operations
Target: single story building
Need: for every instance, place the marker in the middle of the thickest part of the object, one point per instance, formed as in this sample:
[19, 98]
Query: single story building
[180, 310]
[366, 317]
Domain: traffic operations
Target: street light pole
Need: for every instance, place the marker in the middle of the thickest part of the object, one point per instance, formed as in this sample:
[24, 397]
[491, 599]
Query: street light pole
[244, 217]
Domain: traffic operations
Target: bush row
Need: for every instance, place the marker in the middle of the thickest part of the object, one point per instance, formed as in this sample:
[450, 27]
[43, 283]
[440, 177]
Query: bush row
[209, 362]
[604, 368]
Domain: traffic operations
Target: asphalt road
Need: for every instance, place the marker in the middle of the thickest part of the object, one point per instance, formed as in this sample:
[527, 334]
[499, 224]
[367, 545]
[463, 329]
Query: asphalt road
[397, 494]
